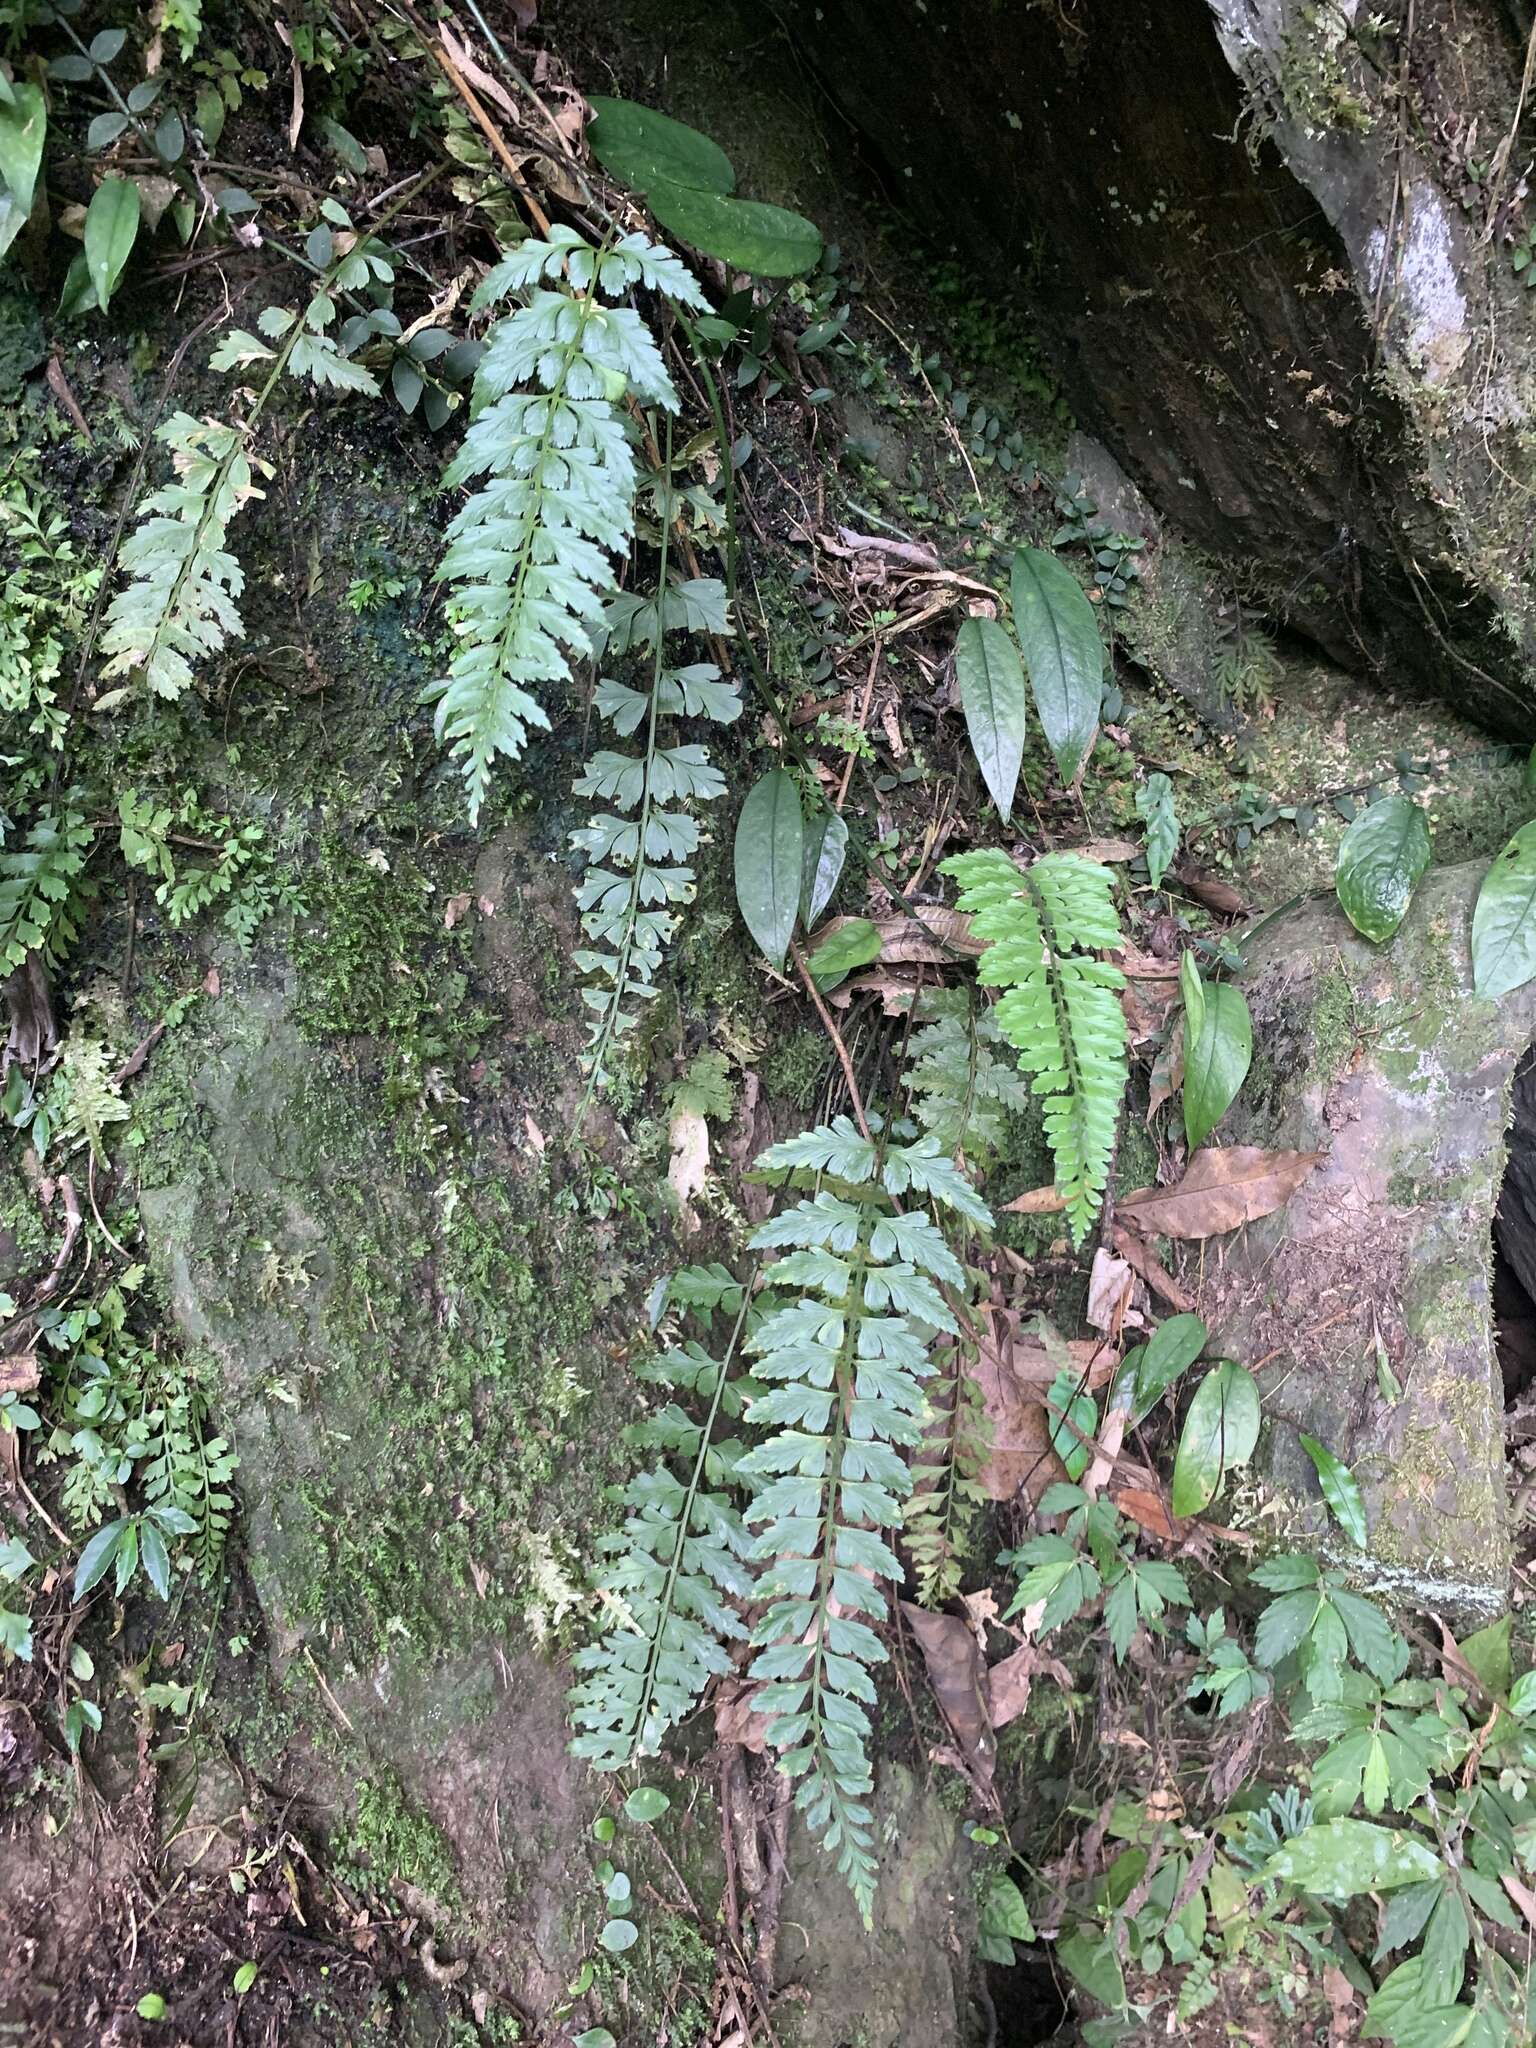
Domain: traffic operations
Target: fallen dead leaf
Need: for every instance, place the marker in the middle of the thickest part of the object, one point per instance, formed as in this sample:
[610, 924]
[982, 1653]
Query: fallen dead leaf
[737, 1718]
[1522, 1895]
[536, 1137]
[1038, 1202]
[1110, 1286]
[1012, 1374]
[1205, 888]
[1147, 1510]
[18, 1373]
[455, 908]
[1223, 1188]
[1108, 852]
[1151, 1269]
[1009, 1683]
[212, 984]
[959, 1684]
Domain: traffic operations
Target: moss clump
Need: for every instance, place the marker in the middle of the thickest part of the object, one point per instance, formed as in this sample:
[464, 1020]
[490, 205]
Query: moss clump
[391, 1844]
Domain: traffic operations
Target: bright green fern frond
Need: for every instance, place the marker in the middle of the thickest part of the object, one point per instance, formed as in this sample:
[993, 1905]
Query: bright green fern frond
[845, 1362]
[178, 605]
[531, 556]
[1061, 1005]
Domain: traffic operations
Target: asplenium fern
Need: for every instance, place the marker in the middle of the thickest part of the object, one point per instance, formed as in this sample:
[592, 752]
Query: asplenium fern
[961, 1087]
[678, 1556]
[1044, 926]
[947, 1495]
[531, 556]
[639, 852]
[848, 1356]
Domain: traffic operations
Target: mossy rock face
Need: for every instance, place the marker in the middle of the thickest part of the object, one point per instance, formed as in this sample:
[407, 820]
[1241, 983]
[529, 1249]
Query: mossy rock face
[1385, 1061]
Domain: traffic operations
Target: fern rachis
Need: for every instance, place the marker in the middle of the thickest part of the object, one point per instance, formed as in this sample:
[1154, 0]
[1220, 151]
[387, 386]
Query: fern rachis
[1060, 1009]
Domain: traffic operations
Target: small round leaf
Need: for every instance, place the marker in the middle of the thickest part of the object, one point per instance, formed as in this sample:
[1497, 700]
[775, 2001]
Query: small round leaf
[619, 1935]
[1381, 858]
[645, 1804]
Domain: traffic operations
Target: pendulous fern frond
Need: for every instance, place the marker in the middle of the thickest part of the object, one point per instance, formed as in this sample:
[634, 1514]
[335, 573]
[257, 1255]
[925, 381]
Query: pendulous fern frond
[1044, 926]
[847, 1358]
[531, 556]
[678, 1558]
[962, 1088]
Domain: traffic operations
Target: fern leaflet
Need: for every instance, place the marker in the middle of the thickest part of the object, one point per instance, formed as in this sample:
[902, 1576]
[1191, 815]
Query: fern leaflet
[40, 887]
[961, 1088]
[675, 1561]
[1061, 1006]
[847, 1357]
[530, 557]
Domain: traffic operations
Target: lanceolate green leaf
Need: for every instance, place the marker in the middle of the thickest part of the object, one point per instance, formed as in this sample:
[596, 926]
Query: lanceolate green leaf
[1172, 1348]
[768, 241]
[1063, 653]
[1341, 1490]
[992, 693]
[1219, 1433]
[770, 852]
[22, 127]
[1382, 856]
[1504, 922]
[1155, 808]
[1216, 1060]
[111, 227]
[642, 148]
[826, 848]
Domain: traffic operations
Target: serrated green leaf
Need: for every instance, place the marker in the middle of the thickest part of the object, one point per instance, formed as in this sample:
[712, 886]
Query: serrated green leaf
[1063, 655]
[1219, 1434]
[992, 694]
[1341, 1490]
[111, 227]
[1504, 921]
[1381, 858]
[1216, 1061]
[770, 853]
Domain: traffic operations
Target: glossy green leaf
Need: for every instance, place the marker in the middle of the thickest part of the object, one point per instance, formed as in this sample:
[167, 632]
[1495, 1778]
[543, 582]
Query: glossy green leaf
[1341, 1490]
[767, 241]
[1155, 808]
[244, 1978]
[1216, 1060]
[645, 1804]
[98, 1555]
[111, 227]
[23, 125]
[151, 2006]
[992, 694]
[642, 148]
[1071, 1409]
[1219, 1433]
[1381, 858]
[770, 854]
[1340, 1859]
[1504, 922]
[1171, 1349]
[854, 942]
[1192, 995]
[826, 849]
[1488, 1653]
[1063, 654]
[1401, 2012]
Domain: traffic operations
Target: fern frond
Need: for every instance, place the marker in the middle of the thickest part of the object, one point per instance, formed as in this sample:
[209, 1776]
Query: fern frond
[846, 1359]
[179, 603]
[962, 1090]
[531, 556]
[1061, 1005]
[674, 1565]
[40, 887]
[947, 1495]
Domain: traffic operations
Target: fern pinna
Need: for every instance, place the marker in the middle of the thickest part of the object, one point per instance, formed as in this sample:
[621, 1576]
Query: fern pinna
[679, 1555]
[531, 556]
[1043, 926]
[847, 1356]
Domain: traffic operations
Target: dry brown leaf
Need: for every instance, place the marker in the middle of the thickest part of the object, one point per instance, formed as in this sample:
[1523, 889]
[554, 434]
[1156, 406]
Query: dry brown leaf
[1151, 1269]
[689, 1168]
[959, 1684]
[1147, 1510]
[1110, 1286]
[536, 1137]
[1106, 851]
[455, 908]
[737, 1718]
[1223, 1188]
[1038, 1202]
[1012, 1375]
[18, 1373]
[1205, 888]
[1009, 1683]
[1522, 1895]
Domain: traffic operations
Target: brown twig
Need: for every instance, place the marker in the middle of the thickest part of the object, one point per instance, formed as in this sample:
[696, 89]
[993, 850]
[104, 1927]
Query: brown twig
[835, 1035]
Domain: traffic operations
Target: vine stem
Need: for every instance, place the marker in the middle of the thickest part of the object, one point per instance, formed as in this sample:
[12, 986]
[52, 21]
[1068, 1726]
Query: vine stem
[834, 1034]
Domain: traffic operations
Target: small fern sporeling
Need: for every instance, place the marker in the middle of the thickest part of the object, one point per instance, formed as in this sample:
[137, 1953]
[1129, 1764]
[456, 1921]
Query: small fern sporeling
[1044, 926]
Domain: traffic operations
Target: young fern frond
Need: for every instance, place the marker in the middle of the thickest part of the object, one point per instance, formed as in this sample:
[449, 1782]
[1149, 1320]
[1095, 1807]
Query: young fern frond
[531, 556]
[1061, 1006]
[961, 1088]
[639, 863]
[847, 1356]
[675, 1562]
[941, 1515]
[178, 605]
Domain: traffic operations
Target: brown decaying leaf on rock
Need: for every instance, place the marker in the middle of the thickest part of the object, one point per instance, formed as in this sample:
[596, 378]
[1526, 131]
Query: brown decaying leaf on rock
[959, 1684]
[1222, 1188]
